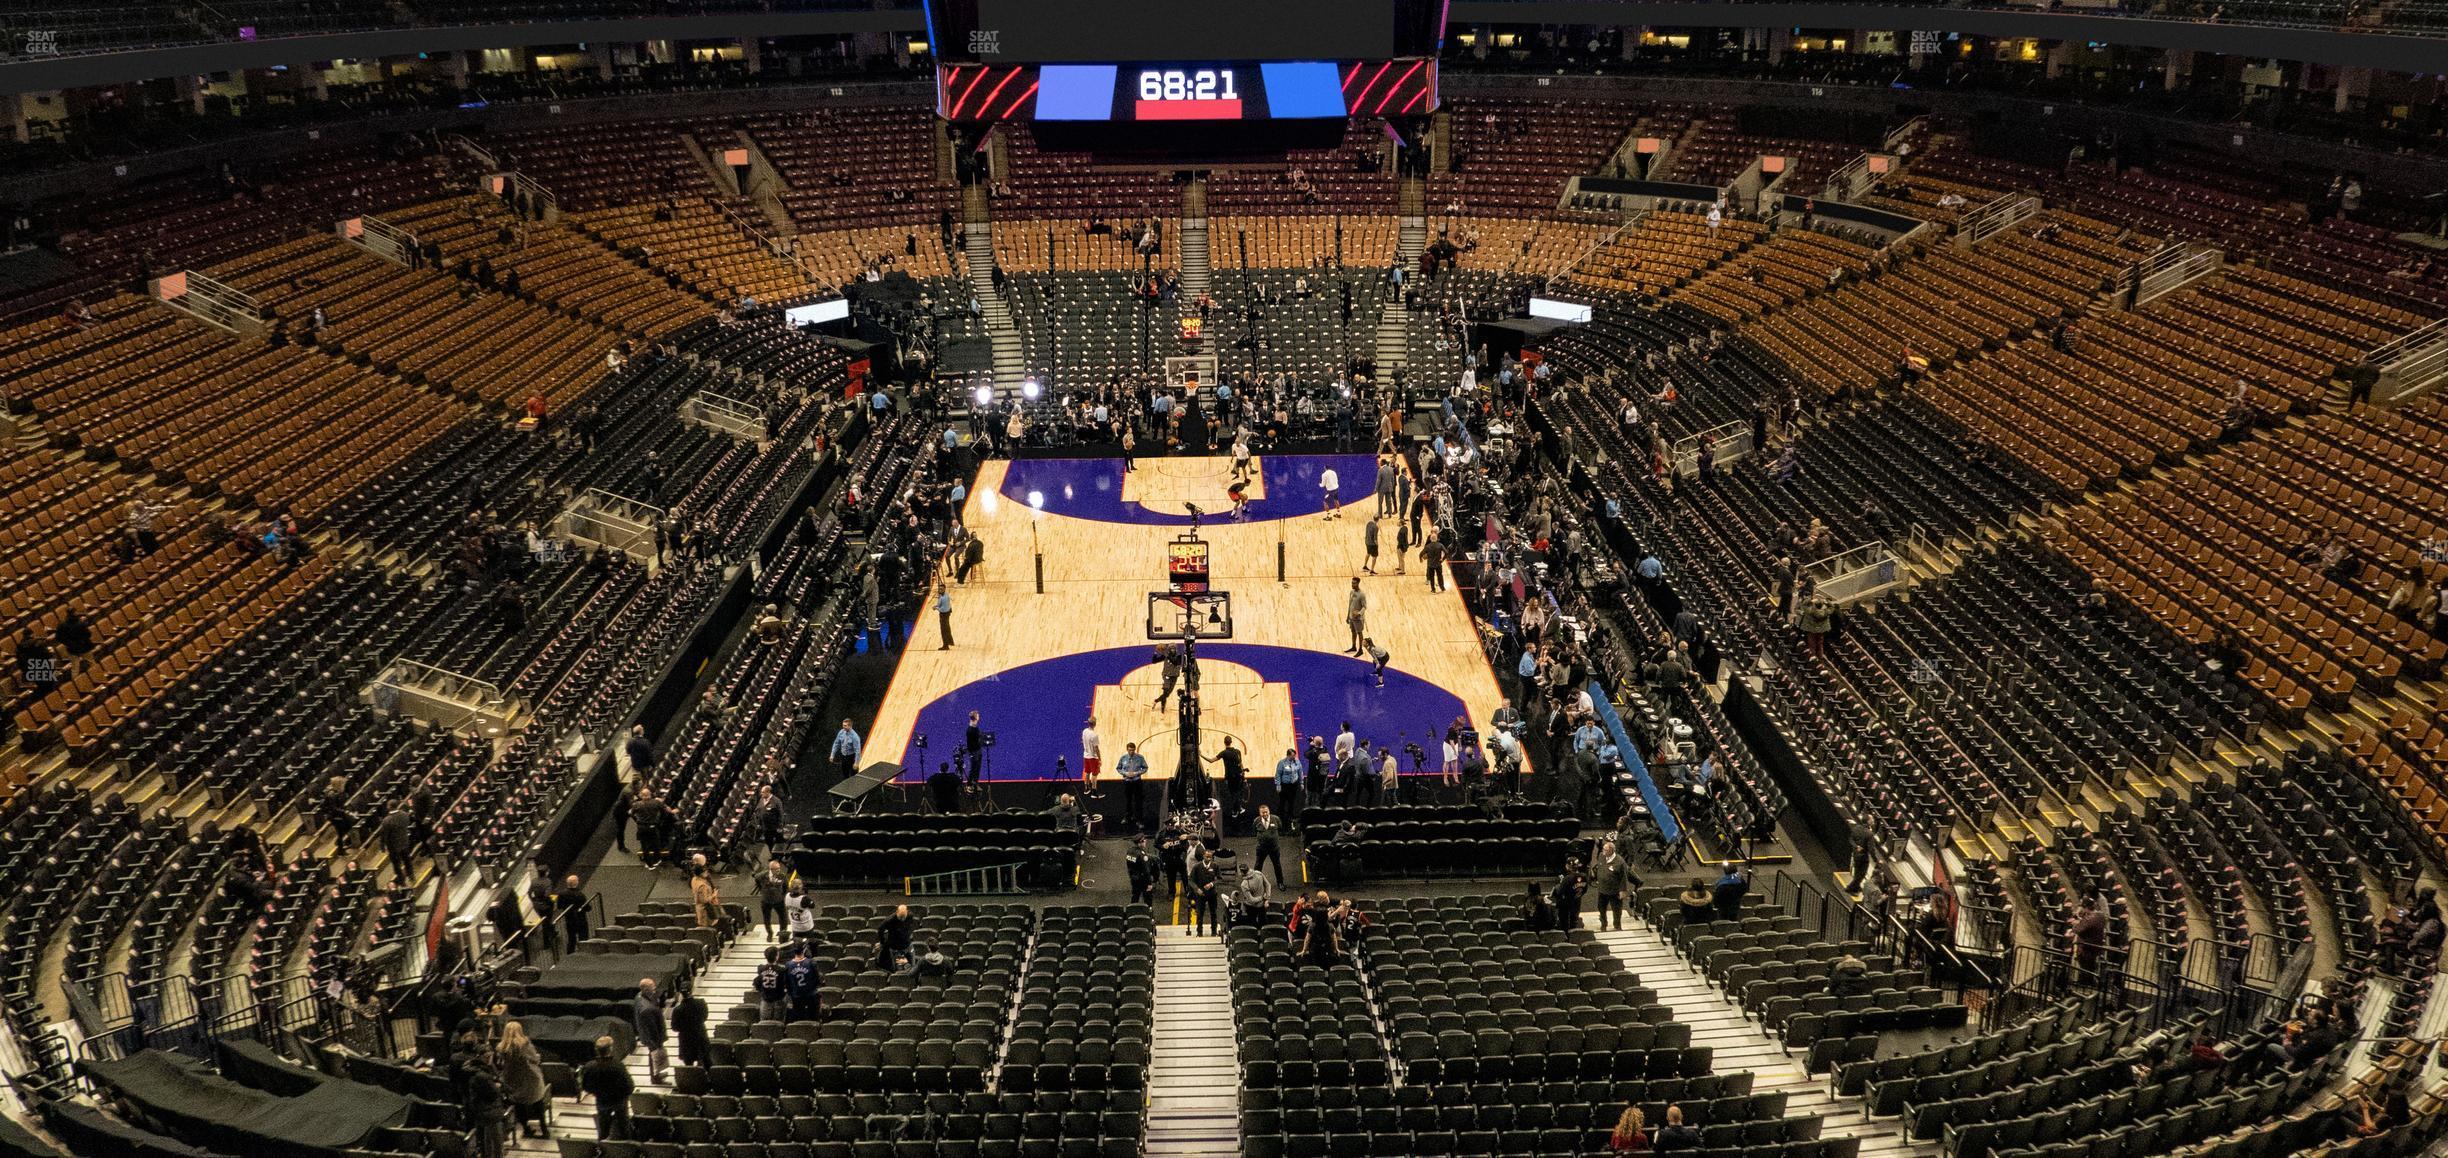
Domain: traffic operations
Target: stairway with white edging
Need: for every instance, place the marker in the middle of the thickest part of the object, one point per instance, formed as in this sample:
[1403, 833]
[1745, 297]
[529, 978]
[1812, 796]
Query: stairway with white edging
[1194, 1077]
[726, 982]
[1737, 1043]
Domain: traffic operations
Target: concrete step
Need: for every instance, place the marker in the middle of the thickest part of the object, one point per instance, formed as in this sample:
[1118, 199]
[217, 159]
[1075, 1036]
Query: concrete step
[1194, 1072]
[1737, 1043]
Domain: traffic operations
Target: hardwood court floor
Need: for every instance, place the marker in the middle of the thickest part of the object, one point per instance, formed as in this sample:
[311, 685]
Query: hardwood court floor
[1098, 573]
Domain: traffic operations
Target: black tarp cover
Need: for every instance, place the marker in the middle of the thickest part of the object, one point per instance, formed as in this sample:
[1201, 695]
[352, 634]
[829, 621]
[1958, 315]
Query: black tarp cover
[201, 1106]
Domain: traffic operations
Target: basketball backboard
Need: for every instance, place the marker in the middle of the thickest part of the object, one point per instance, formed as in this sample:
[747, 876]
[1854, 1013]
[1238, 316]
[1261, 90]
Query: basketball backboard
[1203, 614]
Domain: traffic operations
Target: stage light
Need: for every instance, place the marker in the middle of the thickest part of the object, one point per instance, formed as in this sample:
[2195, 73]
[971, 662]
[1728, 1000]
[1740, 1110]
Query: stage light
[984, 395]
[1028, 388]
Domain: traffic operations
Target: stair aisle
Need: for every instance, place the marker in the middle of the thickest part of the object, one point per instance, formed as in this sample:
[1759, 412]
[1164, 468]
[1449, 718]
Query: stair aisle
[1738, 1044]
[1196, 263]
[1009, 364]
[725, 983]
[1194, 1079]
[1393, 339]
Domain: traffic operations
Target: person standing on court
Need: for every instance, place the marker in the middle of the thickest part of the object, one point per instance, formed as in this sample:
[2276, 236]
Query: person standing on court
[972, 553]
[943, 617]
[1092, 751]
[1236, 786]
[1385, 486]
[1355, 615]
[1328, 483]
[1170, 657]
[1133, 767]
[1432, 561]
[1368, 546]
[1240, 456]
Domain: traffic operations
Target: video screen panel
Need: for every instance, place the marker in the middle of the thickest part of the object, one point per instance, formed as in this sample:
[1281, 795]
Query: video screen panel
[1069, 31]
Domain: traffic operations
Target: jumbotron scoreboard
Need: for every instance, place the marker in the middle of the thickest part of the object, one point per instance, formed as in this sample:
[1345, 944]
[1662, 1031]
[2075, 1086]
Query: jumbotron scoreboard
[1125, 62]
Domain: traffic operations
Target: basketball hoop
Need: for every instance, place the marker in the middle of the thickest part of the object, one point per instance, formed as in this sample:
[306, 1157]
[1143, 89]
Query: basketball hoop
[1192, 615]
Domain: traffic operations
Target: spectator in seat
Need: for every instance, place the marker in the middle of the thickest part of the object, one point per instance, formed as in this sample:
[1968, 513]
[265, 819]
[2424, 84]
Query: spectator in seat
[1845, 977]
[1631, 1133]
[2423, 945]
[37, 667]
[607, 1081]
[1729, 891]
[2376, 1114]
[944, 789]
[1538, 913]
[1569, 886]
[1066, 811]
[71, 634]
[770, 625]
[1677, 1134]
[142, 514]
[2303, 1042]
[1699, 904]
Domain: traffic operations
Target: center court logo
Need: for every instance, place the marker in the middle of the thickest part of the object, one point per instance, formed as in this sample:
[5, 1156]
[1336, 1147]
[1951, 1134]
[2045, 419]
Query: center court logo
[985, 42]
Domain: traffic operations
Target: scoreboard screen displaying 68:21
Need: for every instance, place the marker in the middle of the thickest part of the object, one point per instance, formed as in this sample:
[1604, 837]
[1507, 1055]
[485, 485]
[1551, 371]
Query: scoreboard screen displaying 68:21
[1186, 91]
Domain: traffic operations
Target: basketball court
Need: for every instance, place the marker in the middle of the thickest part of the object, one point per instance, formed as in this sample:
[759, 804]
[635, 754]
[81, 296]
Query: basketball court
[1036, 666]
